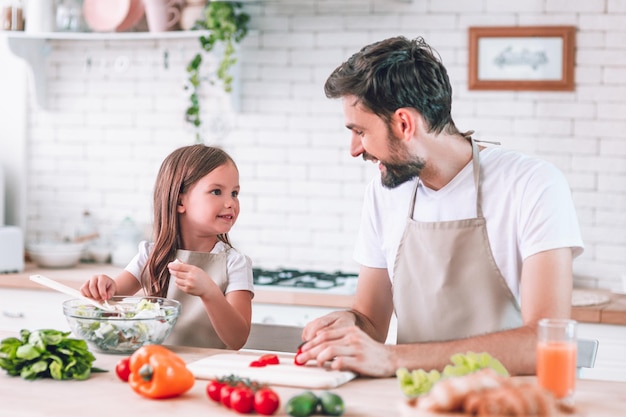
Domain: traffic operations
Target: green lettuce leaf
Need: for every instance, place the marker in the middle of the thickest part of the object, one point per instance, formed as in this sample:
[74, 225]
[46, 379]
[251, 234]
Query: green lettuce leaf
[419, 382]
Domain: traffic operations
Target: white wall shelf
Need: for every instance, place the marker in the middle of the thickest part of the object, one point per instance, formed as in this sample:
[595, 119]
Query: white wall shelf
[19, 36]
[34, 48]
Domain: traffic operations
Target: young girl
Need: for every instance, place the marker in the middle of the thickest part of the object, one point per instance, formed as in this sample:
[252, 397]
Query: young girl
[191, 259]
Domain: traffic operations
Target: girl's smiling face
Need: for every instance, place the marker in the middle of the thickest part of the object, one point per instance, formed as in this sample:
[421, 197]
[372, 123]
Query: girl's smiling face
[211, 205]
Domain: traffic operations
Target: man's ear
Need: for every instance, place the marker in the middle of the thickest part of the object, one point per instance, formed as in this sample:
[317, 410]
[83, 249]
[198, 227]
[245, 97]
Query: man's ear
[406, 122]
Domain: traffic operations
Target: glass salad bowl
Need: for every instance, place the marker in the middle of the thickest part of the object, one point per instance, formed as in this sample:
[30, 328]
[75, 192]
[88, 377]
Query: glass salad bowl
[139, 321]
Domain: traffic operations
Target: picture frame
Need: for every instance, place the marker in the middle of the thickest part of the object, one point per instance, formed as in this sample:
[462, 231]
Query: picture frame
[518, 58]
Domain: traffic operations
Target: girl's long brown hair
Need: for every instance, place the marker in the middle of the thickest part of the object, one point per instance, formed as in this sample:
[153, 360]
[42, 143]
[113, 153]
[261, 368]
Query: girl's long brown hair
[178, 172]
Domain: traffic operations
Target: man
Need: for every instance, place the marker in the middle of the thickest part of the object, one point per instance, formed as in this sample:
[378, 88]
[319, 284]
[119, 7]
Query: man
[469, 245]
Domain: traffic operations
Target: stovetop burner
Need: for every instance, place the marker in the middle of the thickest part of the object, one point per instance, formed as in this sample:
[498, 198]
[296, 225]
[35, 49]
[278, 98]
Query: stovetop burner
[300, 279]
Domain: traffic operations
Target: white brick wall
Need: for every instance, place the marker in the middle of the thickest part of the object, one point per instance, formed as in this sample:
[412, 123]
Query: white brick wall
[100, 141]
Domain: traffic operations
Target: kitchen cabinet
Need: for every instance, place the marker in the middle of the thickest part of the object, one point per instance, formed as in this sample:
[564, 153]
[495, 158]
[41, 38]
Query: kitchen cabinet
[611, 357]
[31, 309]
[300, 315]
[288, 315]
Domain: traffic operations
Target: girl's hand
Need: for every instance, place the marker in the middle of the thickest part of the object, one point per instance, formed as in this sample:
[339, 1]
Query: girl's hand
[190, 278]
[99, 287]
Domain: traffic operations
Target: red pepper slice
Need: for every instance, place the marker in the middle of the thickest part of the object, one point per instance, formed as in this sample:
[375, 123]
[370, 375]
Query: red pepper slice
[295, 358]
[257, 364]
[269, 359]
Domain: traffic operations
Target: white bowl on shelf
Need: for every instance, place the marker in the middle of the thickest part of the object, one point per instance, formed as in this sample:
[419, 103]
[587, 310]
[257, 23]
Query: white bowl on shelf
[55, 255]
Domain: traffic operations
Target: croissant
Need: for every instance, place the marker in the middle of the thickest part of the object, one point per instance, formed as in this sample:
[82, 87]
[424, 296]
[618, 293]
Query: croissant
[449, 394]
[485, 393]
[510, 400]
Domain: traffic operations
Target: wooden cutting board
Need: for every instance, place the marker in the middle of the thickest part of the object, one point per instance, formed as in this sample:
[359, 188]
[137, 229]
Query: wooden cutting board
[286, 373]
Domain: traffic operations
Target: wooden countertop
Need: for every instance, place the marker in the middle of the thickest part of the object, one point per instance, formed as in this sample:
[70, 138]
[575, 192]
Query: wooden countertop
[104, 395]
[75, 277]
[611, 311]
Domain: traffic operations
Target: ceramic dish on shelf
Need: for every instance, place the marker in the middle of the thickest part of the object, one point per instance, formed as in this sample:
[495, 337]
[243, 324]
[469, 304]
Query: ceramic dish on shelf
[586, 298]
[105, 15]
[135, 13]
[55, 254]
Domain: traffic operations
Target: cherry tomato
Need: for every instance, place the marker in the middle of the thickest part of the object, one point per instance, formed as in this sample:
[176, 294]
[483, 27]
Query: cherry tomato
[257, 364]
[266, 401]
[122, 369]
[213, 389]
[269, 359]
[242, 400]
[225, 392]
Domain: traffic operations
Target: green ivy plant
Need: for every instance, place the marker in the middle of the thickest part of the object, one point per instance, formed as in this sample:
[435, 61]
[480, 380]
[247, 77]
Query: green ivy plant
[227, 24]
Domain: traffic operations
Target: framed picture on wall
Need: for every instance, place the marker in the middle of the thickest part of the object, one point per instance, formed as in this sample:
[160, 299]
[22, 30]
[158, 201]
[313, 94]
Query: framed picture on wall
[522, 58]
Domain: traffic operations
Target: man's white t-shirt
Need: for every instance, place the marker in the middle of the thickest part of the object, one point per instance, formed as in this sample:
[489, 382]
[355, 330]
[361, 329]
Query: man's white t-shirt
[238, 265]
[526, 202]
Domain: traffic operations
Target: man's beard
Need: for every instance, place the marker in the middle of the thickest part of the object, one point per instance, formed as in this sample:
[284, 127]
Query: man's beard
[396, 174]
[398, 171]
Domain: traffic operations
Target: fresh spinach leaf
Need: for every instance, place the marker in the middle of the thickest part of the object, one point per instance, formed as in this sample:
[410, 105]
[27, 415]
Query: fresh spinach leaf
[46, 353]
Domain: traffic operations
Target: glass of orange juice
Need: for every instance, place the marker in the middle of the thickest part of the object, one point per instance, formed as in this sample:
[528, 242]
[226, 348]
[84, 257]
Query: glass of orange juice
[556, 357]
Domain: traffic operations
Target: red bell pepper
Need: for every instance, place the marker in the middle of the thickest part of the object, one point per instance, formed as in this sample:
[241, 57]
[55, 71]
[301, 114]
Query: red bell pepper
[157, 372]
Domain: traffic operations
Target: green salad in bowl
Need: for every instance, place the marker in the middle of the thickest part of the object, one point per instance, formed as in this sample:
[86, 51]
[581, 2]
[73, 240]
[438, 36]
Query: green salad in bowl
[138, 321]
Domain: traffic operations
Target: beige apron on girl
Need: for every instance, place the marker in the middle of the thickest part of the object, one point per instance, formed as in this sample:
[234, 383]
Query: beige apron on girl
[446, 283]
[193, 327]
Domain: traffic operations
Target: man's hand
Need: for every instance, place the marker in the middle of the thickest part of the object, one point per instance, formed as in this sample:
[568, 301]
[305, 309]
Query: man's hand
[348, 348]
[336, 319]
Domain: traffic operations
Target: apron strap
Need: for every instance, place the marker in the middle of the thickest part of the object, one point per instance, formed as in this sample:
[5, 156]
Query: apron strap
[413, 196]
[476, 169]
[476, 166]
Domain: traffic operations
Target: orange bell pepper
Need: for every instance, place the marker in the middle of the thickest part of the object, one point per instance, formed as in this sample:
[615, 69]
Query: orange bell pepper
[157, 372]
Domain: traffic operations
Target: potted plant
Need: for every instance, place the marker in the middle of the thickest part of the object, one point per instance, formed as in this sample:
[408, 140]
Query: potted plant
[226, 23]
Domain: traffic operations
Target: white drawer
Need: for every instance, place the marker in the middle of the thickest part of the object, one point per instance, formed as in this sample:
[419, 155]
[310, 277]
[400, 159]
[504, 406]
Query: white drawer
[610, 360]
[32, 310]
[288, 315]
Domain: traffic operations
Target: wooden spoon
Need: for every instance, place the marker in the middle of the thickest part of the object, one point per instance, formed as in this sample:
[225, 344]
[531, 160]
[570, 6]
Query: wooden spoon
[50, 283]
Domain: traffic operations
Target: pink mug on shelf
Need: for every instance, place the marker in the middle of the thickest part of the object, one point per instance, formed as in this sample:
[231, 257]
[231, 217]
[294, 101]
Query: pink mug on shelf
[161, 15]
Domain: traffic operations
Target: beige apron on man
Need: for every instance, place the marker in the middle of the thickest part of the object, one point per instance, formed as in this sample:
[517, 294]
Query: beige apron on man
[446, 283]
[193, 327]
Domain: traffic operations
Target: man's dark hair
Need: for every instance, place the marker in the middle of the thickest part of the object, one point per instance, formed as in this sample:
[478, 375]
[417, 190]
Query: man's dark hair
[395, 73]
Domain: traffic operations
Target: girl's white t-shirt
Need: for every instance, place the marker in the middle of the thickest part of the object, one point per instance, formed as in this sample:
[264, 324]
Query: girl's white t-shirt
[526, 202]
[239, 266]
